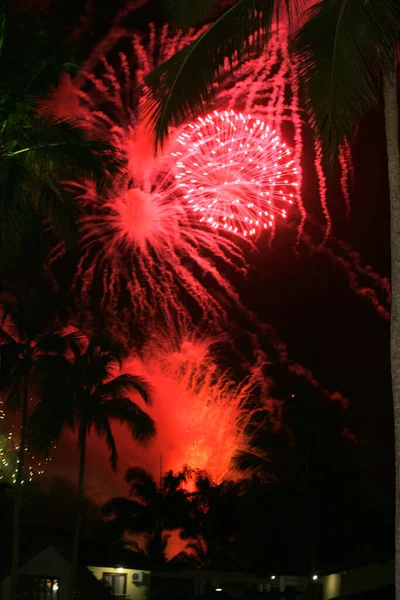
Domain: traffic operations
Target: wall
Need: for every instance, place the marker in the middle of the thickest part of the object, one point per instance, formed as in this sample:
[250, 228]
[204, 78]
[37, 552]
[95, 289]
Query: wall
[357, 580]
[48, 563]
[135, 591]
[369, 577]
[332, 584]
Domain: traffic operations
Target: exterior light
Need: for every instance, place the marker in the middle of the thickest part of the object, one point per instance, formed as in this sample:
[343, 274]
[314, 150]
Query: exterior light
[120, 570]
[315, 577]
[218, 589]
[273, 576]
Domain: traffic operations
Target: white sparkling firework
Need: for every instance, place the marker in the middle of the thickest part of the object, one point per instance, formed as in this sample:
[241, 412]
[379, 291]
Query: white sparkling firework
[235, 172]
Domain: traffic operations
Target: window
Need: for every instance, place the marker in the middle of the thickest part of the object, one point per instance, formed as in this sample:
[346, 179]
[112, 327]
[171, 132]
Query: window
[38, 588]
[116, 583]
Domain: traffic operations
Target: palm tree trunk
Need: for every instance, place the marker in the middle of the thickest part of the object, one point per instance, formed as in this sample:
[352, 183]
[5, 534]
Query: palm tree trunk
[16, 535]
[77, 533]
[392, 145]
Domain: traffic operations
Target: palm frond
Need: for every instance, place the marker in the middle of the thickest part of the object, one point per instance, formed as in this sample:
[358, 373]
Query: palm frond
[126, 383]
[47, 423]
[182, 87]
[30, 58]
[73, 341]
[33, 309]
[11, 323]
[52, 373]
[52, 343]
[142, 484]
[343, 47]
[97, 365]
[109, 346]
[10, 389]
[123, 507]
[62, 144]
[5, 338]
[118, 526]
[172, 482]
[38, 152]
[198, 553]
[124, 411]
[156, 547]
[103, 429]
[187, 13]
[17, 215]
[9, 331]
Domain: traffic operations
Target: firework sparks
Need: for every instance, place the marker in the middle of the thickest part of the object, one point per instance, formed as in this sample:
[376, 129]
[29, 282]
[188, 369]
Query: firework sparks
[145, 245]
[140, 243]
[9, 448]
[236, 174]
[203, 413]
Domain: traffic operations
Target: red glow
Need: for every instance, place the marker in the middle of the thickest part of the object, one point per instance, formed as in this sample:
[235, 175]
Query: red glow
[201, 412]
[235, 172]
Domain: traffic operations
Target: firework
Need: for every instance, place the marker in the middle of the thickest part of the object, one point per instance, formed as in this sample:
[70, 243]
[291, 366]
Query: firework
[235, 172]
[203, 413]
[9, 448]
[139, 245]
[144, 247]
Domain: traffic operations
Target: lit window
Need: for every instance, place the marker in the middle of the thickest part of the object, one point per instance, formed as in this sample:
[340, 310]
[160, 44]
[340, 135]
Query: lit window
[38, 588]
[116, 583]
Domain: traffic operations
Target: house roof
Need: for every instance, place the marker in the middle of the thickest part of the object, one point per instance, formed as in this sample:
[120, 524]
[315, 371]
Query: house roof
[35, 541]
[88, 586]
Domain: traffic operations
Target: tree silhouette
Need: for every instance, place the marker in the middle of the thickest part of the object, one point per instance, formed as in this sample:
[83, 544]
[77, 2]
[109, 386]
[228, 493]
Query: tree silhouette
[153, 509]
[92, 393]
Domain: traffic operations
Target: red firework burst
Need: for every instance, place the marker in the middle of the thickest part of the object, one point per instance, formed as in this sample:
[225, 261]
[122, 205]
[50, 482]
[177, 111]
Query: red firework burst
[235, 172]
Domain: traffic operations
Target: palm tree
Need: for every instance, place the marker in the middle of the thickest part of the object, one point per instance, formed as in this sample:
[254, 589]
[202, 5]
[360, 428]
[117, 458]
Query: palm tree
[152, 509]
[94, 394]
[212, 522]
[27, 334]
[37, 151]
[348, 61]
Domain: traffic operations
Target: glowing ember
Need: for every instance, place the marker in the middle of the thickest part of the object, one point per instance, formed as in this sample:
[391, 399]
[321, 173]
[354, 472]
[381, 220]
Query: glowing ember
[235, 172]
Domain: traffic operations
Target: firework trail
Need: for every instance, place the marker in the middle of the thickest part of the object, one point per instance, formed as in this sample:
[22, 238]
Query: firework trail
[362, 279]
[268, 87]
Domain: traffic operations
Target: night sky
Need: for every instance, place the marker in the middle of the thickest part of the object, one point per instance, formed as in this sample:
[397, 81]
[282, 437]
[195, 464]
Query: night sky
[327, 328]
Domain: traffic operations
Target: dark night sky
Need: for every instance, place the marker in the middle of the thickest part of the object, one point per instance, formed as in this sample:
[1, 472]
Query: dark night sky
[327, 326]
